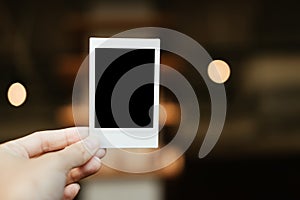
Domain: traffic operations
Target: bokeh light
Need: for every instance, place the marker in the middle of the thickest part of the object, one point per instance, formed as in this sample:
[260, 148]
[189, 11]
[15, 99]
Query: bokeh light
[218, 71]
[16, 94]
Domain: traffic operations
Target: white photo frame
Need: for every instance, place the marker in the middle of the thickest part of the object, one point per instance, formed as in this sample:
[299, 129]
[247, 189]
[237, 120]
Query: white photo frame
[118, 137]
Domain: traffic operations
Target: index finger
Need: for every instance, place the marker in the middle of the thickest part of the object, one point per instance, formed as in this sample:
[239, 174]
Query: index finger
[51, 140]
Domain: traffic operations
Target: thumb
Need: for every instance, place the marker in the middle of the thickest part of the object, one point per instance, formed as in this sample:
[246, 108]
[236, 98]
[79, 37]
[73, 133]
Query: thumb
[78, 153]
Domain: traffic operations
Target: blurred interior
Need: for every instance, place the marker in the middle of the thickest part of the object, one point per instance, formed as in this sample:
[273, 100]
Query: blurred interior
[43, 44]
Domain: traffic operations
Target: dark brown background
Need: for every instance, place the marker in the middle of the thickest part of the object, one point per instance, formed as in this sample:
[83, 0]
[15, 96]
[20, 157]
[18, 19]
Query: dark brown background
[42, 44]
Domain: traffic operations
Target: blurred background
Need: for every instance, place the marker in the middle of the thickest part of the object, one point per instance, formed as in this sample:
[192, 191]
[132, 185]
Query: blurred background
[43, 43]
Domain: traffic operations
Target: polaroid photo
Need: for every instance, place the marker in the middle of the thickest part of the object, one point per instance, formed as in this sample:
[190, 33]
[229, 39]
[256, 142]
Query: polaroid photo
[124, 91]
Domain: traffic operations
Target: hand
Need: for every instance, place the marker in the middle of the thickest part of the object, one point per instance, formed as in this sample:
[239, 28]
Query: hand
[47, 164]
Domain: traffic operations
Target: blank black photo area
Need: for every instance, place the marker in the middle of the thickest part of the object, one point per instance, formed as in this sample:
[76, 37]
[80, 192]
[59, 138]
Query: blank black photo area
[110, 65]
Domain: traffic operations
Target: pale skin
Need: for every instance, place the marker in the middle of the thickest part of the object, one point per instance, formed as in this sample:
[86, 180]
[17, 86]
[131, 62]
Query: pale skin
[48, 164]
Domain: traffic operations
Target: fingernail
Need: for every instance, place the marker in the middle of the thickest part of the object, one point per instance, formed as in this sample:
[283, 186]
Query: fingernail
[101, 153]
